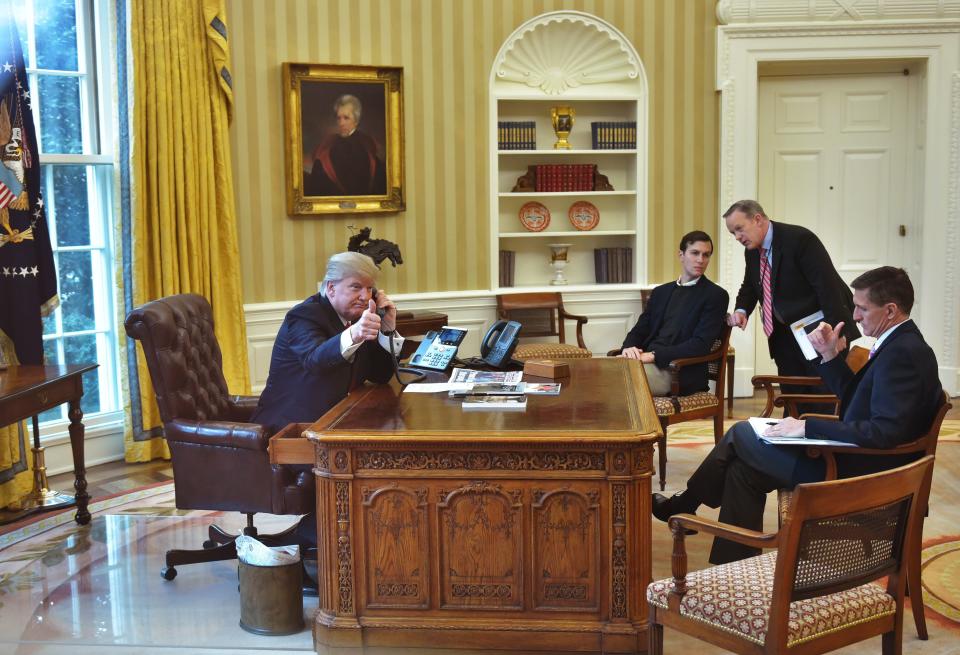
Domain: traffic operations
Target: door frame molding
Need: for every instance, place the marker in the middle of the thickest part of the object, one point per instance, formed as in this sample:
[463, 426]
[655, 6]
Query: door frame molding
[742, 48]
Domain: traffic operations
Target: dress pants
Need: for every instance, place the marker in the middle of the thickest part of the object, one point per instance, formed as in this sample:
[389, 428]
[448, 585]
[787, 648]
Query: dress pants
[737, 475]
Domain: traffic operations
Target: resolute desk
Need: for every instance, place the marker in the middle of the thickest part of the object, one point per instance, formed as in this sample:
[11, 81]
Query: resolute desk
[486, 529]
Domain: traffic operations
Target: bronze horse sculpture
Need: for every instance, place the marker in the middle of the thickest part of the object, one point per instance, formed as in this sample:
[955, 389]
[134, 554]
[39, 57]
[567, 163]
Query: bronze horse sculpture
[376, 249]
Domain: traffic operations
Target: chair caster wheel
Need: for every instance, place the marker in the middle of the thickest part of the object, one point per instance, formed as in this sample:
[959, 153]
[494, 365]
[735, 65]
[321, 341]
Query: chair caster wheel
[168, 573]
[210, 543]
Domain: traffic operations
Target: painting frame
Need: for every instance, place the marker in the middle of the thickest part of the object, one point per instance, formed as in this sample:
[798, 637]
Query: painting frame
[311, 94]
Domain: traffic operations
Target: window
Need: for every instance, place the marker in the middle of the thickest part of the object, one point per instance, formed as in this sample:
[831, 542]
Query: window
[68, 77]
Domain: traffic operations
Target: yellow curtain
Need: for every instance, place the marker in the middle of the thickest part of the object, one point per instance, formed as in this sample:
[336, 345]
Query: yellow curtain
[15, 456]
[184, 220]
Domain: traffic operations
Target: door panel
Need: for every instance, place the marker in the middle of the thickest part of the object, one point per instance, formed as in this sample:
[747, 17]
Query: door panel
[832, 157]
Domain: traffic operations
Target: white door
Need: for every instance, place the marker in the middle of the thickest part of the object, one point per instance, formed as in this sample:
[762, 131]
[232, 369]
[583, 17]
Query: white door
[834, 156]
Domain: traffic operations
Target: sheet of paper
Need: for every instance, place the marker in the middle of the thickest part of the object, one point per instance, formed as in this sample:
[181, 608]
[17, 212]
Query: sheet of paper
[435, 387]
[760, 424]
[799, 329]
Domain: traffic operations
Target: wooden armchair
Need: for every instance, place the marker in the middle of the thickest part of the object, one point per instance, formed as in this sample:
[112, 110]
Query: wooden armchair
[817, 591]
[856, 359]
[925, 445]
[542, 315]
[676, 408]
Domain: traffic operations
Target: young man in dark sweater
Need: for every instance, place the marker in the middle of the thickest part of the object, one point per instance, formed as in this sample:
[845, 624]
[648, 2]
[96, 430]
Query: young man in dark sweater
[682, 319]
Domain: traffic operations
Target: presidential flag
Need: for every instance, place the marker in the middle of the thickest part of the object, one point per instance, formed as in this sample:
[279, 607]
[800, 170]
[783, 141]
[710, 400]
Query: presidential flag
[28, 279]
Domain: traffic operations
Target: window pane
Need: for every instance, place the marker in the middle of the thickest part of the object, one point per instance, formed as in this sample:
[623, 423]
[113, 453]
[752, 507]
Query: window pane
[83, 350]
[76, 292]
[19, 18]
[60, 114]
[55, 22]
[50, 322]
[71, 207]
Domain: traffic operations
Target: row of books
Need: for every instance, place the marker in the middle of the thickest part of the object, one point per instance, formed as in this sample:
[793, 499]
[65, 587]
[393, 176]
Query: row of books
[564, 177]
[516, 135]
[612, 265]
[613, 135]
[507, 265]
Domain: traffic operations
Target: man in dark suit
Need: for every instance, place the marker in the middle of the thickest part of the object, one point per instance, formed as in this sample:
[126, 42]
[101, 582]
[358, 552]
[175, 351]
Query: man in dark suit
[327, 343]
[682, 319]
[787, 265]
[892, 400]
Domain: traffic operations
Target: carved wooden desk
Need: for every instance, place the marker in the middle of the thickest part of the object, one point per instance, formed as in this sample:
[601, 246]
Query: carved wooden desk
[488, 529]
[26, 391]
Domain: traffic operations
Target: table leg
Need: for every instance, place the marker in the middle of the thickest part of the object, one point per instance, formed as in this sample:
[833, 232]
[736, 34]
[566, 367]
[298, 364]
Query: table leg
[79, 469]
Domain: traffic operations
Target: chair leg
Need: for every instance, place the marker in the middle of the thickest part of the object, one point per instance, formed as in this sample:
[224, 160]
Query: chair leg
[730, 362]
[654, 635]
[915, 586]
[718, 427]
[662, 454]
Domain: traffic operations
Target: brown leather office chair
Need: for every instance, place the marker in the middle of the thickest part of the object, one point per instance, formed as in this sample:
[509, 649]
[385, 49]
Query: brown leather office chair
[542, 315]
[821, 589]
[925, 445]
[220, 459]
[676, 408]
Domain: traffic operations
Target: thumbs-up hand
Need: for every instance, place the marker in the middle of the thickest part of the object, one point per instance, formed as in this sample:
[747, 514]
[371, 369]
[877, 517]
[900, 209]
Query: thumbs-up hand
[828, 341]
[367, 327]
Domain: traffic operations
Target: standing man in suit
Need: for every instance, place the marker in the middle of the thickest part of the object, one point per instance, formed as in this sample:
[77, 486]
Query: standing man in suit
[789, 272]
[329, 342]
[892, 400]
[682, 319]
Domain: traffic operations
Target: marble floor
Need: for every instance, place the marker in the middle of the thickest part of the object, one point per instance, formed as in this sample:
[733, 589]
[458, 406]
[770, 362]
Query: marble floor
[99, 591]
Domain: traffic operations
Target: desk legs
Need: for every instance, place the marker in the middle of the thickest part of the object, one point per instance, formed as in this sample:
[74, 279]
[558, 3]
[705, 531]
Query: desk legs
[79, 469]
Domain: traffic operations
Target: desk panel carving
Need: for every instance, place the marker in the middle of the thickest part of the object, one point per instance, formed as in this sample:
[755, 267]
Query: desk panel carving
[436, 531]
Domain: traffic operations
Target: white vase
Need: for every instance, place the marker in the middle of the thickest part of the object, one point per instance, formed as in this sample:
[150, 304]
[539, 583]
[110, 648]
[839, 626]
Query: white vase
[558, 259]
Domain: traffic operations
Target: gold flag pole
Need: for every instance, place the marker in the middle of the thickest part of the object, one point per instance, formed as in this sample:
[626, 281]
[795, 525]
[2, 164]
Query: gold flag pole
[41, 498]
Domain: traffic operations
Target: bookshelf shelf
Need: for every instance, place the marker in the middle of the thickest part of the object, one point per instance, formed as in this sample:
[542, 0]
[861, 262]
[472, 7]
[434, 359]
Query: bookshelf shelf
[618, 94]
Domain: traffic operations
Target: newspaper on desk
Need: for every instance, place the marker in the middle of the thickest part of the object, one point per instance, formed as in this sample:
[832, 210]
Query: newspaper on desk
[760, 425]
[485, 377]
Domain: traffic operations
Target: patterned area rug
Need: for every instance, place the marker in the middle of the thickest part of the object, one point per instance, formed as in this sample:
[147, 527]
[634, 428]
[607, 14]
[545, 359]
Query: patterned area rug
[694, 433]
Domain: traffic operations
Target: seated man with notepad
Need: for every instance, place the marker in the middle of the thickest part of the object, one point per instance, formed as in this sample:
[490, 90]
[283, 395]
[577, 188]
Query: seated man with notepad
[891, 401]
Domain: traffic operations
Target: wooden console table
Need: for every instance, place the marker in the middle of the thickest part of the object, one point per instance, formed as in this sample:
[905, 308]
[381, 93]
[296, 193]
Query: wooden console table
[26, 391]
[485, 529]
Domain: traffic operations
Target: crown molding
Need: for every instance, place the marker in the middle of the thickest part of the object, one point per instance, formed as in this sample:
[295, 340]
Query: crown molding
[730, 12]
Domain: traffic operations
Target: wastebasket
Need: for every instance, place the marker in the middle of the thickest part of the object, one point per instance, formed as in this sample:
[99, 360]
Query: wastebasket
[271, 598]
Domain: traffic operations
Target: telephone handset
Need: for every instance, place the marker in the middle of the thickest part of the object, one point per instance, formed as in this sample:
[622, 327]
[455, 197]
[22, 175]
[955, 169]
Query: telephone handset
[416, 376]
[498, 345]
[438, 349]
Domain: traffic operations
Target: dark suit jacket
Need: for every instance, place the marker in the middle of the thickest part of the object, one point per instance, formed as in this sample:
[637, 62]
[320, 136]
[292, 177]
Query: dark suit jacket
[890, 401]
[308, 375]
[702, 326]
[804, 281]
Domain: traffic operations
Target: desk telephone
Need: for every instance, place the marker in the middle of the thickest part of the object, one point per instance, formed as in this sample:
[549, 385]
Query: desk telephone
[498, 345]
[438, 349]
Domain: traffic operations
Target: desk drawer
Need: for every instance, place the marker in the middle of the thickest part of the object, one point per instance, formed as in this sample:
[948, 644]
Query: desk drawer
[36, 401]
[289, 446]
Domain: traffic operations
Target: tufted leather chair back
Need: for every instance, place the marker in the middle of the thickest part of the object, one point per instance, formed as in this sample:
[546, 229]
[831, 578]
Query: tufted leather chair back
[220, 459]
[183, 356]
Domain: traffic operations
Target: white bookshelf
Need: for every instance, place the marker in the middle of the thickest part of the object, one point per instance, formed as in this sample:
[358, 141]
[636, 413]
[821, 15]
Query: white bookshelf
[598, 73]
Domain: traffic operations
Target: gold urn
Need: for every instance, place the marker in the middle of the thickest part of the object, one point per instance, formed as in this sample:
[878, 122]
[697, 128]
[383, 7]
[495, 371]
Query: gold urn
[562, 118]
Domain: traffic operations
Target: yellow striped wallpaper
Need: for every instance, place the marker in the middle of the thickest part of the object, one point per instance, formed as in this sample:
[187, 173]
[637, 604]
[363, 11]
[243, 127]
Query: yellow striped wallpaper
[446, 48]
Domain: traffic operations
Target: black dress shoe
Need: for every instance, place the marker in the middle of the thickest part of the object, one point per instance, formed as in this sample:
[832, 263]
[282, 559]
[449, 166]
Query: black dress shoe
[664, 507]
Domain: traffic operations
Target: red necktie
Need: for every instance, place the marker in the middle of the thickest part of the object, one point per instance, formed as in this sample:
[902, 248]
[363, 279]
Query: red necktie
[767, 293]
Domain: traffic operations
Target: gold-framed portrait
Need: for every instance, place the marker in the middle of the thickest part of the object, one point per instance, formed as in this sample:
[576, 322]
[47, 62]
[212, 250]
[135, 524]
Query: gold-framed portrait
[344, 143]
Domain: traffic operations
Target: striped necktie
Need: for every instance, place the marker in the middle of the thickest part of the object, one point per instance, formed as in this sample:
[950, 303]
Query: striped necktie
[873, 351]
[767, 293]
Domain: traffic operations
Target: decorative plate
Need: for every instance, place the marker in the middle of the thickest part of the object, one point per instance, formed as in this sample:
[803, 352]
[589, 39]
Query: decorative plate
[583, 215]
[534, 216]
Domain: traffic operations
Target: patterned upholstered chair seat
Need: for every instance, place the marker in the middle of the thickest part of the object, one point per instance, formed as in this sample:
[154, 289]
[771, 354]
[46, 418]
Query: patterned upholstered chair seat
[736, 598]
[550, 351]
[702, 399]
